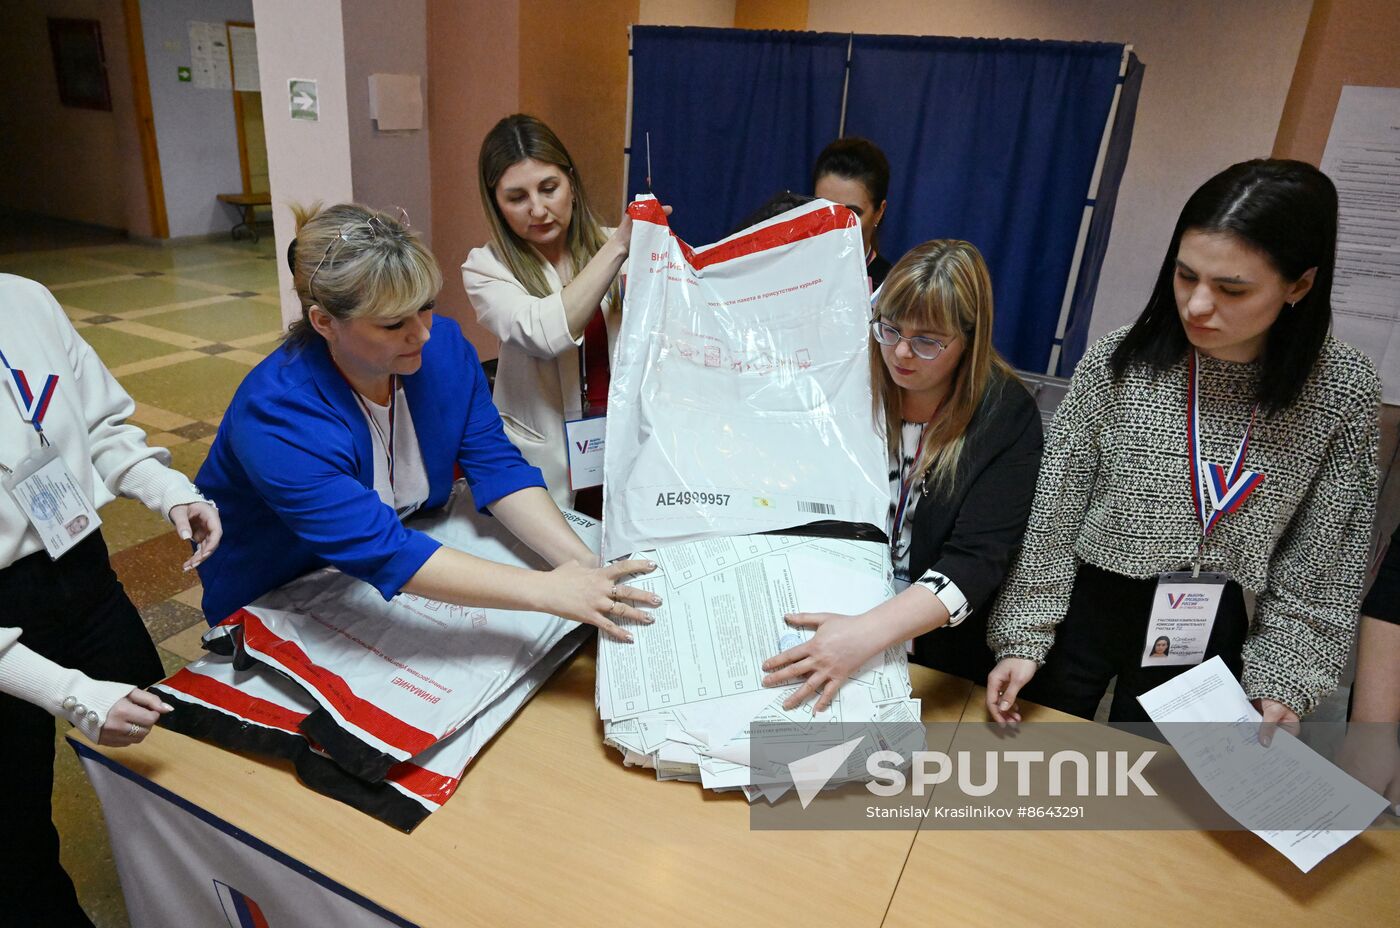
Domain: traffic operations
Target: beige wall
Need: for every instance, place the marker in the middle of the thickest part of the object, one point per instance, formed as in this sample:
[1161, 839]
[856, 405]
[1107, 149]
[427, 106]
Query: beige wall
[58, 160]
[1348, 42]
[1217, 76]
[771, 14]
[573, 75]
[473, 80]
[717, 14]
[389, 168]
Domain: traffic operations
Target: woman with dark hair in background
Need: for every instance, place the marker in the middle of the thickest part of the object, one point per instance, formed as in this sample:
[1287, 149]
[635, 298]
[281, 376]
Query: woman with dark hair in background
[1224, 431]
[856, 174]
[964, 439]
[357, 421]
[546, 286]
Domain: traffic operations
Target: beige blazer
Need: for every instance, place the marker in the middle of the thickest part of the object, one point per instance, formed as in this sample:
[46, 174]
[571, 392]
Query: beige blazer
[537, 374]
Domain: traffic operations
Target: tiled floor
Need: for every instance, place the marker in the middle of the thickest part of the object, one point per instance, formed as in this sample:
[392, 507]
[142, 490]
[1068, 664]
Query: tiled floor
[179, 326]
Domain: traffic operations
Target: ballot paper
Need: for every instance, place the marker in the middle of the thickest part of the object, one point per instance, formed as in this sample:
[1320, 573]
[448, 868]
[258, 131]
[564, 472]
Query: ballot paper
[392, 679]
[687, 699]
[740, 396]
[1297, 801]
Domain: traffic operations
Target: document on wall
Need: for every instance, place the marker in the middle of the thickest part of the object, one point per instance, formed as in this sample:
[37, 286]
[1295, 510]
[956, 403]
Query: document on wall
[209, 59]
[243, 41]
[1363, 160]
[1296, 800]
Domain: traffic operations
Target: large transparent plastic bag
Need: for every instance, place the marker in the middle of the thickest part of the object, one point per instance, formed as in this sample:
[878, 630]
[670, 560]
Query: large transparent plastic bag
[740, 398]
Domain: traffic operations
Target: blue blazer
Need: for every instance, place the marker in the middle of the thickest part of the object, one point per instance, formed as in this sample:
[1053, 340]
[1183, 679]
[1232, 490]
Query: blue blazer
[292, 470]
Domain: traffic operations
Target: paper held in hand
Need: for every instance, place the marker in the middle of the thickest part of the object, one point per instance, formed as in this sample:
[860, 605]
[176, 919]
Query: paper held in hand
[1296, 800]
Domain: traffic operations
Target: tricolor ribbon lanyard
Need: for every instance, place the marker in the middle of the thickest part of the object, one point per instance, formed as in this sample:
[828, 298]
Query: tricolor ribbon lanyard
[33, 406]
[1215, 491]
[906, 486]
[388, 443]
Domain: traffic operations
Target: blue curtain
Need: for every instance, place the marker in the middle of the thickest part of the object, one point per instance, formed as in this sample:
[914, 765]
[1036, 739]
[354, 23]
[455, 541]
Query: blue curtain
[1115, 161]
[735, 116]
[992, 141]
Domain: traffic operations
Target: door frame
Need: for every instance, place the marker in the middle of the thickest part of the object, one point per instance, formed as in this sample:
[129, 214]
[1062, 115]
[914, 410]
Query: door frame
[145, 119]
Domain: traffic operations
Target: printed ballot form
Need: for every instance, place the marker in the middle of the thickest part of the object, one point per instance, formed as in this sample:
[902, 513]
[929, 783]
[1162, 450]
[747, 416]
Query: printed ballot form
[1296, 800]
[687, 698]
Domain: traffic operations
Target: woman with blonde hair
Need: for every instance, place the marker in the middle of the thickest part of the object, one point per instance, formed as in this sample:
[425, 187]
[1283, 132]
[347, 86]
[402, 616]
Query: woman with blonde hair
[546, 286]
[964, 440]
[357, 421]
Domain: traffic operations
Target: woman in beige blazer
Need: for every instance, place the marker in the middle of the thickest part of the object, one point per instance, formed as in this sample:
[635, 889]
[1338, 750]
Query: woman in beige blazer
[546, 286]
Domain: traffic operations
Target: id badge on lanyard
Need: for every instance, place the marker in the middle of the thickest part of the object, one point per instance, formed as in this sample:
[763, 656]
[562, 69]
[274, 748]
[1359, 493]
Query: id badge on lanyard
[41, 484]
[1185, 603]
[585, 437]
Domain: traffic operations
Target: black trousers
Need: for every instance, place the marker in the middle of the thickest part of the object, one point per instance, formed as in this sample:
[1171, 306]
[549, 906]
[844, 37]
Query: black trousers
[74, 612]
[1103, 636]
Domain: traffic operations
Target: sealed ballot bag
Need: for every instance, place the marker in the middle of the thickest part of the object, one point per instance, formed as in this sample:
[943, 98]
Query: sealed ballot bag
[379, 704]
[740, 398]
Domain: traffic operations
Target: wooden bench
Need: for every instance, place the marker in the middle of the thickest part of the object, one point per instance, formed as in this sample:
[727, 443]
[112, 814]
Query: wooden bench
[246, 204]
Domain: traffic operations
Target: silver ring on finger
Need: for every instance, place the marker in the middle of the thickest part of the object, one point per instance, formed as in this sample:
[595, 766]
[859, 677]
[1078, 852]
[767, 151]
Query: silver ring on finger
[613, 593]
[615, 611]
[133, 730]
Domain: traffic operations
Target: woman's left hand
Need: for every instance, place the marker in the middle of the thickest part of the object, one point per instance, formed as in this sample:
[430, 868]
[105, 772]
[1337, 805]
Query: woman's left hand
[1276, 715]
[841, 645]
[198, 522]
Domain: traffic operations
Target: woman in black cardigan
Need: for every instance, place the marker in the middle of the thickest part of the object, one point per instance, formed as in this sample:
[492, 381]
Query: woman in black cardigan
[965, 440]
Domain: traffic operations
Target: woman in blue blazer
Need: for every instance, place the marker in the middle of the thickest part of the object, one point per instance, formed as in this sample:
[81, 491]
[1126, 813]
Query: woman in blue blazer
[358, 420]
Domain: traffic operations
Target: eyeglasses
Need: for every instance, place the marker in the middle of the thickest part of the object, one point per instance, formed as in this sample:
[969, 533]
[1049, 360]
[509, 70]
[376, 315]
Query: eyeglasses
[362, 230]
[923, 346]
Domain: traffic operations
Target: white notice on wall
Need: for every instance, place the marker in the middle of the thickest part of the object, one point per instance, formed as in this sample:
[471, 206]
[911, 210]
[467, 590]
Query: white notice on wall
[396, 101]
[209, 63]
[243, 41]
[1363, 159]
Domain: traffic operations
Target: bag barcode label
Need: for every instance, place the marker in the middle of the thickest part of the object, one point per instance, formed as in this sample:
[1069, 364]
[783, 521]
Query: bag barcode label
[825, 509]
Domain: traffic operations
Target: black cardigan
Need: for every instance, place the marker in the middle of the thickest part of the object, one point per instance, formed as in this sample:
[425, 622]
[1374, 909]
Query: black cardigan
[971, 533]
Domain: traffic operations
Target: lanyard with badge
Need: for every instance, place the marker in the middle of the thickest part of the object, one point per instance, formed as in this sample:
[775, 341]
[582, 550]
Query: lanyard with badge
[41, 484]
[585, 435]
[386, 442]
[1185, 603]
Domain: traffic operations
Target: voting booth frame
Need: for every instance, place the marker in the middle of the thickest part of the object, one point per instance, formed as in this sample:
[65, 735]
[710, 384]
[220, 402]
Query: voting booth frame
[1057, 116]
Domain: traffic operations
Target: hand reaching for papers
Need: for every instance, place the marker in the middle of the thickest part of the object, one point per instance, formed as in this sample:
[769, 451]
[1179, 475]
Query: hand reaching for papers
[597, 596]
[841, 645]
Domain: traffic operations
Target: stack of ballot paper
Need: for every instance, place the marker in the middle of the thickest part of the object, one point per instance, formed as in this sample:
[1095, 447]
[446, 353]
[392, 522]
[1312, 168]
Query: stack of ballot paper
[687, 697]
[379, 704]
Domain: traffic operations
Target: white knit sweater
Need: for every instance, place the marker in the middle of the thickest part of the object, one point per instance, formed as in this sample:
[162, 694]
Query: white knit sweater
[1114, 491]
[109, 457]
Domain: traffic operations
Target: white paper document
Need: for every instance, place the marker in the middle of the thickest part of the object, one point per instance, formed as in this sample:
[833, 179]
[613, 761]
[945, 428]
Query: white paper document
[209, 57]
[1363, 160]
[687, 697]
[243, 46]
[396, 101]
[1271, 791]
